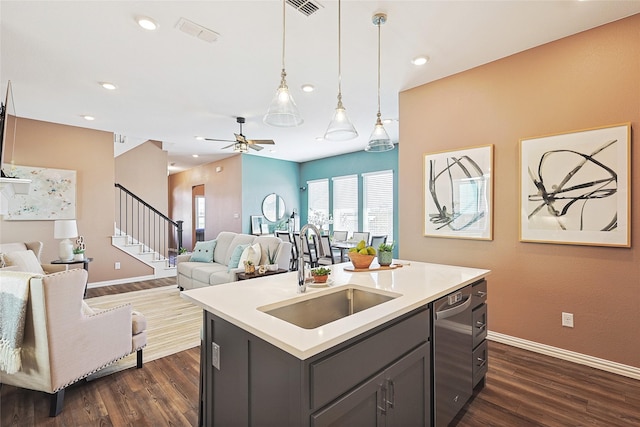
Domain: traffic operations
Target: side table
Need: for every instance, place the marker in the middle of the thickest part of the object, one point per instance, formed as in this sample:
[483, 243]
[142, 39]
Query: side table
[85, 263]
[246, 276]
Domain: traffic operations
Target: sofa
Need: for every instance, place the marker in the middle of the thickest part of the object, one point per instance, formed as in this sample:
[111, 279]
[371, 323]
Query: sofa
[229, 250]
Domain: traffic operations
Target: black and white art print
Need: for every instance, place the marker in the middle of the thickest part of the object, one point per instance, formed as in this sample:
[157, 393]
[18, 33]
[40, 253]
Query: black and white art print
[575, 187]
[458, 193]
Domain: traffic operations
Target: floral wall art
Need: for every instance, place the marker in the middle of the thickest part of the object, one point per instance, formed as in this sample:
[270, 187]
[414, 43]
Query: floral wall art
[52, 195]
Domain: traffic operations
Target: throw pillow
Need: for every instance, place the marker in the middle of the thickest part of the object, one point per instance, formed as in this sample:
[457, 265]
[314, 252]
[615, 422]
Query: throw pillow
[235, 256]
[253, 253]
[24, 261]
[203, 251]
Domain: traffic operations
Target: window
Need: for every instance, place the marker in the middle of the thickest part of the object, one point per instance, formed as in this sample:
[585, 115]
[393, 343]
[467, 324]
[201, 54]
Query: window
[345, 203]
[318, 199]
[200, 212]
[378, 203]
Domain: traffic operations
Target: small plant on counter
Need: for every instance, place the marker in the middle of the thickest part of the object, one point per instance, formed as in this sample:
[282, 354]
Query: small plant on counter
[321, 271]
[271, 257]
[182, 250]
[385, 247]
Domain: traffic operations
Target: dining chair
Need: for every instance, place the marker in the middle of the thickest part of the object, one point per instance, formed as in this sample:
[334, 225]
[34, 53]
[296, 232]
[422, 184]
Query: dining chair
[377, 240]
[308, 255]
[340, 236]
[326, 256]
[361, 235]
[286, 237]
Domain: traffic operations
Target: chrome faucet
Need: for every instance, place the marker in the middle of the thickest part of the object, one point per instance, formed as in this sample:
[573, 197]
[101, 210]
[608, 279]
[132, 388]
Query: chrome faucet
[302, 285]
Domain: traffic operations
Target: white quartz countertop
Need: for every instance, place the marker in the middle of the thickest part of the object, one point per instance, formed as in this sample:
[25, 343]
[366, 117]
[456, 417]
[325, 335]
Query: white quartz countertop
[416, 283]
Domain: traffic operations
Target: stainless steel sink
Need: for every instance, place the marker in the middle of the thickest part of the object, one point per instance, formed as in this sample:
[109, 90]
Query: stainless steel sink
[324, 308]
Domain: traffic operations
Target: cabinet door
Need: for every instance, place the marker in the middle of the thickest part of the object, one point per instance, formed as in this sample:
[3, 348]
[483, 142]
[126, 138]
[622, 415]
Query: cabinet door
[409, 389]
[363, 406]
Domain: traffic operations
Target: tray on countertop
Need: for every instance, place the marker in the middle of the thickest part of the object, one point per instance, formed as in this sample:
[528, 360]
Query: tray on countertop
[378, 268]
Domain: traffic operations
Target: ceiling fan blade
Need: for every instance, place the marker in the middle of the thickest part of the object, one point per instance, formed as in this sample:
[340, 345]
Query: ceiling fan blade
[218, 140]
[255, 147]
[261, 141]
[228, 146]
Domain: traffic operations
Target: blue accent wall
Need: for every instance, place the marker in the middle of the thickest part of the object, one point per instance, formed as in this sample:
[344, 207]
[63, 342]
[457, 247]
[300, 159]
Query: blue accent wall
[262, 176]
[351, 164]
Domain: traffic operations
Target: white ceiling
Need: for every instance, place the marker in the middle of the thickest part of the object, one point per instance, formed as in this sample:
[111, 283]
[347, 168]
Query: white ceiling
[173, 87]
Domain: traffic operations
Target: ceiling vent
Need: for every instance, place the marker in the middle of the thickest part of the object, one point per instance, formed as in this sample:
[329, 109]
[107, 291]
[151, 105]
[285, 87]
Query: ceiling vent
[197, 31]
[306, 7]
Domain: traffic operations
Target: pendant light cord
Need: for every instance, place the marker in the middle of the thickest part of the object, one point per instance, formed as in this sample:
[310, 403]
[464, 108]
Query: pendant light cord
[283, 31]
[339, 51]
[379, 23]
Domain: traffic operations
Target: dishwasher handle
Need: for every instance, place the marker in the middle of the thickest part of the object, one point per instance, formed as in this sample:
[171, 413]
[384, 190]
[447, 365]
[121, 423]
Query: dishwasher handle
[450, 312]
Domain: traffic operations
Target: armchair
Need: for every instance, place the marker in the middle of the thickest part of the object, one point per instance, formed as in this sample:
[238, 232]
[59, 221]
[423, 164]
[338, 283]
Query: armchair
[36, 248]
[65, 340]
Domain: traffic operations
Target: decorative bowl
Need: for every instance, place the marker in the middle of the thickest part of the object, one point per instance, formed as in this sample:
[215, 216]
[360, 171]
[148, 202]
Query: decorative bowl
[361, 261]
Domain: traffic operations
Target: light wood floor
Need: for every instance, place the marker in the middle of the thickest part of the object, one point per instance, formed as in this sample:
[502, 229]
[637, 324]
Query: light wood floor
[523, 389]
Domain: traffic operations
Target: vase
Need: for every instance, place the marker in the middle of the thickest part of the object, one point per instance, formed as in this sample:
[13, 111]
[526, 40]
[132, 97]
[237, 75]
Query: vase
[78, 257]
[385, 258]
[273, 267]
[320, 279]
[249, 269]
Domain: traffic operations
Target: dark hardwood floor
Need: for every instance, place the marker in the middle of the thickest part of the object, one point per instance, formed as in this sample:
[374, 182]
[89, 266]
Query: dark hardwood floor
[522, 389]
[129, 287]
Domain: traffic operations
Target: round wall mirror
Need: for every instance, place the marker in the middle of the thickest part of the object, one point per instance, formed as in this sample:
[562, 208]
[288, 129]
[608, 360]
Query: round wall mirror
[273, 207]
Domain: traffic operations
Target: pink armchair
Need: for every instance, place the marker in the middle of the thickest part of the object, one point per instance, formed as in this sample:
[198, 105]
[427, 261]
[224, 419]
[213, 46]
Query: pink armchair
[36, 248]
[65, 341]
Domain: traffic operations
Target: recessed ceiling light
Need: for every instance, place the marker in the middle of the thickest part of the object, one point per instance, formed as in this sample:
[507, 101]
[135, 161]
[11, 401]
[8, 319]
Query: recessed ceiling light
[86, 117]
[420, 60]
[194, 155]
[147, 23]
[319, 138]
[200, 138]
[308, 88]
[108, 86]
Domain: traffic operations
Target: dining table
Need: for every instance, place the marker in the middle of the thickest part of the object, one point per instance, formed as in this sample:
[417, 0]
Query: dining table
[343, 246]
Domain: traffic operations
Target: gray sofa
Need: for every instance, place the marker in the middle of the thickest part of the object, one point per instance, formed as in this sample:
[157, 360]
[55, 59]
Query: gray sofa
[194, 274]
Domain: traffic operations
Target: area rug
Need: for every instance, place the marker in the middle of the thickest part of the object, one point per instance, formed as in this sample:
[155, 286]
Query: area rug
[173, 323]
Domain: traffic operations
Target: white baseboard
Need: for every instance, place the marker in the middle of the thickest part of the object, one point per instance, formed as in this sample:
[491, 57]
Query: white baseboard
[119, 281]
[571, 356]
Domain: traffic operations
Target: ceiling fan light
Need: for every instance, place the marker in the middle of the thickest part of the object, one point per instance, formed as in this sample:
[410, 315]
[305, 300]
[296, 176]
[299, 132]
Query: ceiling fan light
[283, 111]
[240, 147]
[379, 140]
[340, 127]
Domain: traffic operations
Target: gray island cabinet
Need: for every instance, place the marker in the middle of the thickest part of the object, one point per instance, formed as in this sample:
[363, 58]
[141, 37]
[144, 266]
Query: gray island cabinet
[371, 368]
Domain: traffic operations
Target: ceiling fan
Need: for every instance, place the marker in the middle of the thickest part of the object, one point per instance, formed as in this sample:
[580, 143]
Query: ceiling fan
[242, 144]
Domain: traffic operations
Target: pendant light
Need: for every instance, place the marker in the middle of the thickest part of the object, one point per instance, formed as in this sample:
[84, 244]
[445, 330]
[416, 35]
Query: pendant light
[283, 111]
[340, 127]
[379, 140]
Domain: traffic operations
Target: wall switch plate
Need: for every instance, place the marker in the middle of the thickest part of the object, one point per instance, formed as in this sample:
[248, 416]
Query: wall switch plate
[567, 320]
[117, 266]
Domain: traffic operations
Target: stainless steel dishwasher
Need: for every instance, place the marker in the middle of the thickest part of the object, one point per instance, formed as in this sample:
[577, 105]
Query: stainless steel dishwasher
[452, 352]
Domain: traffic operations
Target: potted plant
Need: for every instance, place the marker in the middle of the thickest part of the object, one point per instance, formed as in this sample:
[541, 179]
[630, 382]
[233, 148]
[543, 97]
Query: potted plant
[249, 267]
[385, 254]
[271, 258]
[320, 274]
[78, 254]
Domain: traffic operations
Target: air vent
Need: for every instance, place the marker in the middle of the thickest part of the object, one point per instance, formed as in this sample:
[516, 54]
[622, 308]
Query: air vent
[197, 31]
[305, 7]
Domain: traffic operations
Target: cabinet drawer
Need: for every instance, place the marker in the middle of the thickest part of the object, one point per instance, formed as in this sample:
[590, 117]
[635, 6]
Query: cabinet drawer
[479, 324]
[480, 362]
[479, 293]
[345, 369]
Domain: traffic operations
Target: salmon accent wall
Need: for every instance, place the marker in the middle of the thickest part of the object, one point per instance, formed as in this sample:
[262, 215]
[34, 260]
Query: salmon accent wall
[223, 200]
[90, 154]
[587, 80]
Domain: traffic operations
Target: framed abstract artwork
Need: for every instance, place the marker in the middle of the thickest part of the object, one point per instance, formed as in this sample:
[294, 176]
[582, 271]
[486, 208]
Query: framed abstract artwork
[52, 195]
[256, 224]
[575, 187]
[458, 193]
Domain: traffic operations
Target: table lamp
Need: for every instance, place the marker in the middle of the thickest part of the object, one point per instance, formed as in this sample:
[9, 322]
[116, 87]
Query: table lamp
[65, 229]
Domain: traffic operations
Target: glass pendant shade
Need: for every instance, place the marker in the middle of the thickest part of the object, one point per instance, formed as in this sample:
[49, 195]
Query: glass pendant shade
[240, 147]
[283, 111]
[379, 140]
[340, 127]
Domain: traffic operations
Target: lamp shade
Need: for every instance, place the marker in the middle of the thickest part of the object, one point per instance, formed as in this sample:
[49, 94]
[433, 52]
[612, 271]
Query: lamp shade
[379, 140]
[340, 128]
[65, 229]
[283, 111]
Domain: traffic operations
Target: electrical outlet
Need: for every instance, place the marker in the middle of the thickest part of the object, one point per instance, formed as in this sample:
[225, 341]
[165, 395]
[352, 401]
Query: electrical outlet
[567, 320]
[117, 266]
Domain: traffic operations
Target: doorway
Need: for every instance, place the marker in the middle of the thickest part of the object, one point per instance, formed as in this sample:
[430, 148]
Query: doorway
[198, 213]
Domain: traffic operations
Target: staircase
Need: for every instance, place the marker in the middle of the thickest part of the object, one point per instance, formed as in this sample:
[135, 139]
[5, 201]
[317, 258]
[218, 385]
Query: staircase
[162, 266]
[146, 234]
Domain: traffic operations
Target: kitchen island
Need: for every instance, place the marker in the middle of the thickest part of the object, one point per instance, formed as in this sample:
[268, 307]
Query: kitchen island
[258, 369]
